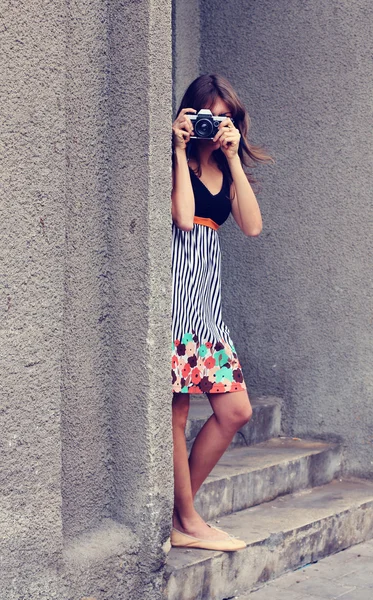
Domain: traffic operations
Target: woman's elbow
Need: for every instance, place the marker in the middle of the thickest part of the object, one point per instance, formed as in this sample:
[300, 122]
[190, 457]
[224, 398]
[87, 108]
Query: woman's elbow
[187, 227]
[253, 231]
[184, 225]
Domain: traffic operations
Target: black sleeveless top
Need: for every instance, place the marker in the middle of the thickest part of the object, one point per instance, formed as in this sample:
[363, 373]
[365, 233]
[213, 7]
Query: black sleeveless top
[211, 206]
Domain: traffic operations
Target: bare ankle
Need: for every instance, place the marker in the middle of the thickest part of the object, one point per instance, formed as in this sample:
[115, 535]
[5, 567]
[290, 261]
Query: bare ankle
[188, 521]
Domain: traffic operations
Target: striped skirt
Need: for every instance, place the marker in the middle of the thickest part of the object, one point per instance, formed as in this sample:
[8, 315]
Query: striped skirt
[204, 359]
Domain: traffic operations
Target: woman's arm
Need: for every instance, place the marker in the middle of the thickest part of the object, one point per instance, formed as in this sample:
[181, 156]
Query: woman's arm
[245, 208]
[182, 192]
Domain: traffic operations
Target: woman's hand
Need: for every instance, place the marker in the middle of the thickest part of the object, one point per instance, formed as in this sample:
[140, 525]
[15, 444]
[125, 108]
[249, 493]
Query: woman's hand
[229, 138]
[182, 128]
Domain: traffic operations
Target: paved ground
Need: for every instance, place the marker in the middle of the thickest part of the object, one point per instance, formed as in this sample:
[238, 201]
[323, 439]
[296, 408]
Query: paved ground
[347, 575]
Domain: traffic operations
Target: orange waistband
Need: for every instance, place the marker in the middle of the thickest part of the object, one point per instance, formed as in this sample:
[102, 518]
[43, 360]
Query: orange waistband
[206, 222]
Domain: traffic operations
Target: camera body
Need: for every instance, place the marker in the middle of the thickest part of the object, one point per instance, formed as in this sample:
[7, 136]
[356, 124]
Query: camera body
[205, 125]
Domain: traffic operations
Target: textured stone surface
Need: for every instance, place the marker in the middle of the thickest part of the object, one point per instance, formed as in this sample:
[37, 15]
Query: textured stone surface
[299, 298]
[85, 299]
[346, 575]
[32, 280]
[185, 46]
[248, 476]
[105, 564]
[264, 424]
[101, 564]
[281, 535]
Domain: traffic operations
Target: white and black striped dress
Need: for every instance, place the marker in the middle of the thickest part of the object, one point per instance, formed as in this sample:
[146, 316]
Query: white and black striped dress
[204, 359]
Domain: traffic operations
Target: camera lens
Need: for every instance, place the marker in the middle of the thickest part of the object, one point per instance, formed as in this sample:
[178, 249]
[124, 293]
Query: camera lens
[203, 128]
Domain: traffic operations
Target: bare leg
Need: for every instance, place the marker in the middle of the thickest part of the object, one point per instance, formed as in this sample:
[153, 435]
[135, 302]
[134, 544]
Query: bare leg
[183, 500]
[231, 411]
[185, 517]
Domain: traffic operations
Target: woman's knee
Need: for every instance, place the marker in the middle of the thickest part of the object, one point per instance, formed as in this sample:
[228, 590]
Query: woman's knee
[235, 414]
[240, 415]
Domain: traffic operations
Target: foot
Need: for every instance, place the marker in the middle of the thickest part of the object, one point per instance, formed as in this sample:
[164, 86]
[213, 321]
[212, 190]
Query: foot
[197, 527]
[183, 540]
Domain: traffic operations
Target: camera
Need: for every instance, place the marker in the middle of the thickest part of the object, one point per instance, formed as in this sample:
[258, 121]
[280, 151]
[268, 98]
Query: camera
[205, 125]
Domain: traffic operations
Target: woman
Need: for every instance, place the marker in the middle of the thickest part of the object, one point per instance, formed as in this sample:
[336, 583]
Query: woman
[209, 183]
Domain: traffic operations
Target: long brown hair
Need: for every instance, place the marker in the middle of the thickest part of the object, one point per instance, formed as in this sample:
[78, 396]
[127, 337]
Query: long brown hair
[202, 93]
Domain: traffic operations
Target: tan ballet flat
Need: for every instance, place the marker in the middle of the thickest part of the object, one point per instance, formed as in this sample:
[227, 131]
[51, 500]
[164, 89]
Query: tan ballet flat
[221, 530]
[183, 540]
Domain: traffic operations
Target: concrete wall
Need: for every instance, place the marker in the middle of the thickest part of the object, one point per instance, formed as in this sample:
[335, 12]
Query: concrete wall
[186, 45]
[86, 484]
[298, 299]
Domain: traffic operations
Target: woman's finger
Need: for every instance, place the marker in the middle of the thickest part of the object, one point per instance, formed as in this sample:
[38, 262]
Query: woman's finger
[185, 134]
[231, 133]
[187, 123]
[183, 112]
[218, 135]
[184, 123]
[183, 118]
[181, 133]
[179, 128]
[221, 131]
[229, 140]
[226, 123]
[181, 137]
[234, 132]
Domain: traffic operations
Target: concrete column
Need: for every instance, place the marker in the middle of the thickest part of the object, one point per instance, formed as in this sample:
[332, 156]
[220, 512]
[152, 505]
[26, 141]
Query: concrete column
[140, 173]
[85, 299]
[299, 298]
[32, 234]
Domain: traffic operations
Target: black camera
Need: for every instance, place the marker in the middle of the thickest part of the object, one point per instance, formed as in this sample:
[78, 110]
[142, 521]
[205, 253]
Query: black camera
[205, 125]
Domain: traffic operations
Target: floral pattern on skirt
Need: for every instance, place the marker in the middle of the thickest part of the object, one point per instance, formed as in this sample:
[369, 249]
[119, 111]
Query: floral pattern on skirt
[205, 368]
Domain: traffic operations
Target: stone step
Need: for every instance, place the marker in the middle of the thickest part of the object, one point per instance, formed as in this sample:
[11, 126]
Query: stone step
[264, 424]
[246, 476]
[282, 535]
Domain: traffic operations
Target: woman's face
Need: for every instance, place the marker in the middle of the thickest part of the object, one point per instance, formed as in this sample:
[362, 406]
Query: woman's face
[219, 109]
